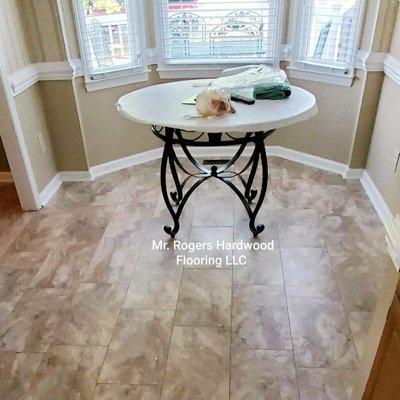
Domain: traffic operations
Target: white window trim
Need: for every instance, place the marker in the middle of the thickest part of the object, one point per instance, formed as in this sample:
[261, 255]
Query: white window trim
[320, 73]
[204, 70]
[117, 77]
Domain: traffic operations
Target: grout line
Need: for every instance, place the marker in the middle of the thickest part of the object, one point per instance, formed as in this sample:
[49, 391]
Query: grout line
[109, 342]
[176, 307]
[290, 325]
[231, 328]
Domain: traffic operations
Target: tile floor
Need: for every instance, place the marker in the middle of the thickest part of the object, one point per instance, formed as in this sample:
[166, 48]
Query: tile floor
[89, 311]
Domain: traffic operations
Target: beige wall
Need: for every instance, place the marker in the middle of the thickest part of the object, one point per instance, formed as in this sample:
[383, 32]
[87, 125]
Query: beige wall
[108, 136]
[366, 119]
[395, 47]
[325, 135]
[33, 120]
[64, 126]
[3, 159]
[386, 138]
[12, 42]
[42, 29]
[385, 144]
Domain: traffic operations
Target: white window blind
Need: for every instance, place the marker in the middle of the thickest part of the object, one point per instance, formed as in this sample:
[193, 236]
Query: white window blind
[219, 31]
[327, 33]
[110, 36]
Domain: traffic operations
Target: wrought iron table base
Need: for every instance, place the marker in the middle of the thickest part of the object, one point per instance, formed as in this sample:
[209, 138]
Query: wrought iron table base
[224, 173]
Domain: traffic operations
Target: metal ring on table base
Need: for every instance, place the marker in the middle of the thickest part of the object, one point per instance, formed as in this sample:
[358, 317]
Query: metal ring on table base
[173, 137]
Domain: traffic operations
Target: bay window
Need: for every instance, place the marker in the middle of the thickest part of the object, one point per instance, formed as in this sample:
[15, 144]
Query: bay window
[205, 33]
[111, 41]
[325, 39]
[199, 38]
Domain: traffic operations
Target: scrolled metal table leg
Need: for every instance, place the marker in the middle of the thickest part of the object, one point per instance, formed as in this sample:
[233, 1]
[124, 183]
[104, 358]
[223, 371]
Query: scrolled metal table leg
[167, 153]
[177, 195]
[260, 148]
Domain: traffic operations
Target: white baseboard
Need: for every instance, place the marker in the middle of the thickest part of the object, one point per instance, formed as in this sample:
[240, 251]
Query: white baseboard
[308, 159]
[221, 152]
[272, 151]
[6, 177]
[50, 190]
[126, 162]
[353, 173]
[75, 176]
[376, 198]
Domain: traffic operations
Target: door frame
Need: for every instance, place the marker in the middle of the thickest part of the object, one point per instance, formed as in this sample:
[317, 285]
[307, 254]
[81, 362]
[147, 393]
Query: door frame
[15, 146]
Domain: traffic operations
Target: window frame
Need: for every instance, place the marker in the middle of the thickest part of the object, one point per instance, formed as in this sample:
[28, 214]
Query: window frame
[202, 69]
[117, 76]
[320, 72]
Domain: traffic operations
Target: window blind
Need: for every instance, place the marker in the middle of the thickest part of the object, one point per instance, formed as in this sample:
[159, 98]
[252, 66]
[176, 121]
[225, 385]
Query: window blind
[219, 31]
[109, 34]
[327, 32]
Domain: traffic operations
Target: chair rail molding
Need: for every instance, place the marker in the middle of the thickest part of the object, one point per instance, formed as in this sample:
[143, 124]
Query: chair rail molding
[370, 61]
[50, 71]
[67, 70]
[23, 79]
[391, 67]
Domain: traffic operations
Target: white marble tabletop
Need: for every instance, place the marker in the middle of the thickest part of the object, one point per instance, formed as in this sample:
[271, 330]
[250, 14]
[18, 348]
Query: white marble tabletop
[161, 105]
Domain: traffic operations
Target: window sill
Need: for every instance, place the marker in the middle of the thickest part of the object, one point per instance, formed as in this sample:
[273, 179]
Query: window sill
[115, 81]
[190, 72]
[322, 77]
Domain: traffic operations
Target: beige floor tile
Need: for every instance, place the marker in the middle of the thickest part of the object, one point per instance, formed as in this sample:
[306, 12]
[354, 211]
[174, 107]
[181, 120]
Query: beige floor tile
[360, 323]
[32, 324]
[321, 334]
[102, 233]
[358, 281]
[285, 169]
[260, 318]
[5, 310]
[155, 283]
[325, 384]
[139, 348]
[90, 317]
[344, 234]
[12, 222]
[113, 261]
[206, 206]
[47, 230]
[291, 194]
[212, 236]
[16, 373]
[262, 267]
[308, 272]
[65, 266]
[299, 228]
[263, 375]
[17, 272]
[68, 373]
[104, 191]
[332, 200]
[126, 392]
[130, 224]
[204, 298]
[198, 364]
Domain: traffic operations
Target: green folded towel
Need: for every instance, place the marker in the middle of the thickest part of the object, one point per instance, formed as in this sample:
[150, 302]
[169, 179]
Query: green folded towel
[275, 92]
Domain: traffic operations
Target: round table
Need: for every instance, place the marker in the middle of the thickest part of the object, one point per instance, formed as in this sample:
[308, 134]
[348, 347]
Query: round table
[173, 122]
